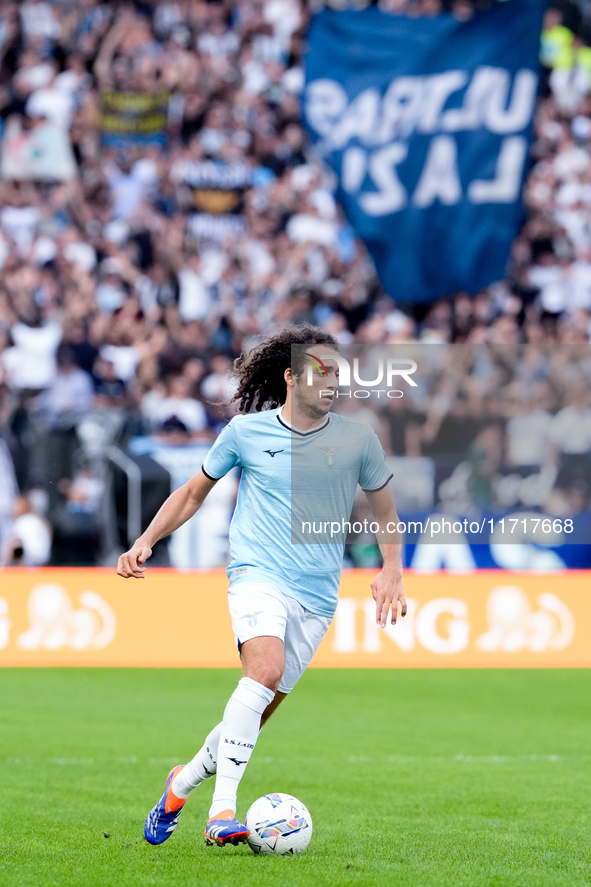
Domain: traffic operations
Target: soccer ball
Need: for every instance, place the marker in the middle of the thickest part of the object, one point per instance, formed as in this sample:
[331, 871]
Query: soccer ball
[280, 824]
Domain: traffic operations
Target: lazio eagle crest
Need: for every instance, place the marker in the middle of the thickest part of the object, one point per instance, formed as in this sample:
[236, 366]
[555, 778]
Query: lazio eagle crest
[329, 453]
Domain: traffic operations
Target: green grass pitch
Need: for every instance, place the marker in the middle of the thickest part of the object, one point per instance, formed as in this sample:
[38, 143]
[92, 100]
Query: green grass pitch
[412, 778]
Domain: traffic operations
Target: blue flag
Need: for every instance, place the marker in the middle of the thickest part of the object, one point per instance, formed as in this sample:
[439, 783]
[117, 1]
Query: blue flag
[427, 125]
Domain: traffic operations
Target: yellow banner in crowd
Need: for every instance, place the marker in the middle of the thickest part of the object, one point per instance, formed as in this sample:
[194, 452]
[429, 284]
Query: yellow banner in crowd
[55, 616]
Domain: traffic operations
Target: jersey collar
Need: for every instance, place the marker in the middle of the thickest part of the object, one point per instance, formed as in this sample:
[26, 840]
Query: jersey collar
[293, 430]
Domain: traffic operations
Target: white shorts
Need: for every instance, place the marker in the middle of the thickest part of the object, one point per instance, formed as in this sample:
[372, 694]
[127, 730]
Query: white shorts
[258, 609]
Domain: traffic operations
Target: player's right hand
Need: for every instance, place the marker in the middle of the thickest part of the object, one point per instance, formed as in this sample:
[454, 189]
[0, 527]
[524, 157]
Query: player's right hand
[131, 564]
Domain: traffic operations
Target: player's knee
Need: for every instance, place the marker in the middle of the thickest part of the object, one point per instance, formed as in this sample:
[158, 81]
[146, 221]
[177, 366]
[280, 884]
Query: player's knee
[269, 674]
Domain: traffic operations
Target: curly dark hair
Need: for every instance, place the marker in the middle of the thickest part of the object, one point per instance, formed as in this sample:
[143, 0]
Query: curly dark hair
[260, 373]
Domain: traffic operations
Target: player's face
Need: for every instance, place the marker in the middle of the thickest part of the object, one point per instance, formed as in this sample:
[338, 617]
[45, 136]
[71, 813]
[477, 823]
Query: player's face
[316, 385]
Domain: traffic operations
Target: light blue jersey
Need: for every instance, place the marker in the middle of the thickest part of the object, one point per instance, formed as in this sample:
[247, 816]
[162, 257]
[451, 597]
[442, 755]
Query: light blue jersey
[290, 481]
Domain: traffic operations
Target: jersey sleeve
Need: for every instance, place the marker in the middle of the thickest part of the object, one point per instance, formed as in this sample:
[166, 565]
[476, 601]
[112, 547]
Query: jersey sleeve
[223, 455]
[374, 473]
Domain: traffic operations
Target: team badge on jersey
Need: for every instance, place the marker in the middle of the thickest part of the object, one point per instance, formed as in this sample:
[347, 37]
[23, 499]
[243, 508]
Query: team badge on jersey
[329, 453]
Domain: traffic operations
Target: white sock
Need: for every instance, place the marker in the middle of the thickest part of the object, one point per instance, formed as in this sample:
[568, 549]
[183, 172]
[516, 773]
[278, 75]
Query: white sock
[203, 766]
[240, 730]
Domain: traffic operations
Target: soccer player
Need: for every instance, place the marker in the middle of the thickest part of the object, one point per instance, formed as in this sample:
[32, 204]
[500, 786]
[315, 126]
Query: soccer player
[296, 458]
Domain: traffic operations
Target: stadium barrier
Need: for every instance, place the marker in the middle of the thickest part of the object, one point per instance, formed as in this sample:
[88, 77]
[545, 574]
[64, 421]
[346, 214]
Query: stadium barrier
[78, 616]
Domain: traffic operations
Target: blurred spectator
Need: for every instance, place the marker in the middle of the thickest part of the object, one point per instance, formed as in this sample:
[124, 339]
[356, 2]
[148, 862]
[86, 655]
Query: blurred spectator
[55, 100]
[84, 492]
[77, 519]
[109, 389]
[8, 493]
[484, 457]
[571, 432]
[70, 392]
[30, 537]
[39, 22]
[529, 428]
[219, 385]
[556, 38]
[31, 362]
[177, 404]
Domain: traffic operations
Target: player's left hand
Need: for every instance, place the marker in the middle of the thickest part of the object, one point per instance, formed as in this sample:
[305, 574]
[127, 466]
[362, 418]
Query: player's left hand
[388, 591]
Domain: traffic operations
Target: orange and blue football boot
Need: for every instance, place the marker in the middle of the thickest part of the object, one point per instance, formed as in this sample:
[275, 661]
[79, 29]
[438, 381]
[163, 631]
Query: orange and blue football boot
[224, 828]
[163, 818]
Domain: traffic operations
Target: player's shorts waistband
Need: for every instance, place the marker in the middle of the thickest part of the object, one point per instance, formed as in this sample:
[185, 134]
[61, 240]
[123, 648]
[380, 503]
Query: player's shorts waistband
[319, 604]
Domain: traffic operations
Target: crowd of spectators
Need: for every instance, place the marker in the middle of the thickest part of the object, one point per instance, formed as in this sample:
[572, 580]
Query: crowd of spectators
[159, 213]
[528, 407]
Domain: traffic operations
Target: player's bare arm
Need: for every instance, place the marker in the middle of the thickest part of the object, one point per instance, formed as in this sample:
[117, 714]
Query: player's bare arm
[387, 588]
[178, 508]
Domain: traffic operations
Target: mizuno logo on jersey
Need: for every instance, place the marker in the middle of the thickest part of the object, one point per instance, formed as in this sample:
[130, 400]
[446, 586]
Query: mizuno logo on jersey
[273, 453]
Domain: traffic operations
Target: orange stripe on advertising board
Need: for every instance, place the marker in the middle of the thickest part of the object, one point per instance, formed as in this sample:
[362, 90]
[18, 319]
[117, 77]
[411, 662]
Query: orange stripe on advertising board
[79, 616]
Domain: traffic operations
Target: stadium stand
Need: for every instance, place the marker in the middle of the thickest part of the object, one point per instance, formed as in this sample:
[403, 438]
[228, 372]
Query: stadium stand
[160, 212]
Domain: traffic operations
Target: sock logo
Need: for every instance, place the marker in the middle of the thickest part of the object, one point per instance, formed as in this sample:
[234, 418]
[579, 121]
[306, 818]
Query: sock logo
[239, 744]
[236, 761]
